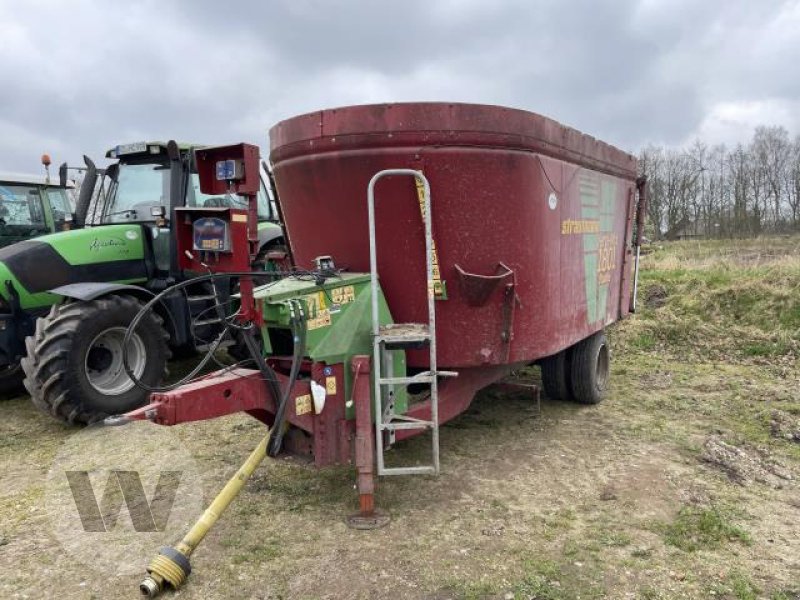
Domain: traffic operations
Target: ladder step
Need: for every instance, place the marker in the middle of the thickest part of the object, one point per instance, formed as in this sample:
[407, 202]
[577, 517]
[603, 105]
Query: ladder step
[425, 470]
[404, 333]
[425, 377]
[397, 426]
[212, 321]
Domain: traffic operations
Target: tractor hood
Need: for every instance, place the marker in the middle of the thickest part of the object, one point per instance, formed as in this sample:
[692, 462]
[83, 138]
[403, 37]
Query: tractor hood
[109, 253]
[267, 232]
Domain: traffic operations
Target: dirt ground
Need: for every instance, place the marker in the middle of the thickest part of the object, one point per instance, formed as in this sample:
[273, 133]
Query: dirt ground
[682, 484]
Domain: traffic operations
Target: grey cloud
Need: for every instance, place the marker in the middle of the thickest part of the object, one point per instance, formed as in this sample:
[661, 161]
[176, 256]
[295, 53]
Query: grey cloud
[79, 77]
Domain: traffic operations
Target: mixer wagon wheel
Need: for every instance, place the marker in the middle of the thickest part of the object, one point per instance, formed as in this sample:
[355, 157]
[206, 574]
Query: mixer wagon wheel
[555, 375]
[74, 365]
[590, 369]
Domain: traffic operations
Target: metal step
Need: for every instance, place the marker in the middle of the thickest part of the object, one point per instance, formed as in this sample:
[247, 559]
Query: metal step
[423, 470]
[202, 298]
[409, 424]
[202, 322]
[404, 333]
[425, 377]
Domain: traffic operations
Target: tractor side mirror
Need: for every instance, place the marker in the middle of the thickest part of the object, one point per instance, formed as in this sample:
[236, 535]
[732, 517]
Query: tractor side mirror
[112, 172]
[173, 152]
[62, 175]
[86, 193]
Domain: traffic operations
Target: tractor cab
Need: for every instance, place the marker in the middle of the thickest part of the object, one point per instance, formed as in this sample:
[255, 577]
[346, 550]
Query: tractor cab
[141, 185]
[151, 179]
[32, 205]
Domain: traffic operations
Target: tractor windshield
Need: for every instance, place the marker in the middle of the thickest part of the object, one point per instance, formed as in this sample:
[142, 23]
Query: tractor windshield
[21, 209]
[142, 187]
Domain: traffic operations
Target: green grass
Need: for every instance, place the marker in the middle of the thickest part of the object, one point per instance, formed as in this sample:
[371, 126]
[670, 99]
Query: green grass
[702, 528]
[736, 584]
[723, 301]
[548, 580]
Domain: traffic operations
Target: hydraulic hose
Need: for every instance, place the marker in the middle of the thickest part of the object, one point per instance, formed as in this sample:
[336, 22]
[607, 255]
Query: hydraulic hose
[266, 371]
[228, 325]
[297, 318]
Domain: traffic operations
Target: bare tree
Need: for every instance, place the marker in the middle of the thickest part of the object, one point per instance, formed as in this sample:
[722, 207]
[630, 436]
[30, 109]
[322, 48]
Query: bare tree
[719, 192]
[772, 150]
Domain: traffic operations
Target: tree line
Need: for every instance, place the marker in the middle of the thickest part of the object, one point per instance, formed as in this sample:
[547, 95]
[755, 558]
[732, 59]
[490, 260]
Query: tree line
[716, 191]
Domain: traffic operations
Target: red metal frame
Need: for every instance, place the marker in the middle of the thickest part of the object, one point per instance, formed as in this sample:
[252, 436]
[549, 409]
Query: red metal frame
[331, 438]
[364, 441]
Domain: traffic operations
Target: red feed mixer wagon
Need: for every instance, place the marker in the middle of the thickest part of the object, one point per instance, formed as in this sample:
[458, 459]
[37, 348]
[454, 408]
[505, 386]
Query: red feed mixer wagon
[443, 245]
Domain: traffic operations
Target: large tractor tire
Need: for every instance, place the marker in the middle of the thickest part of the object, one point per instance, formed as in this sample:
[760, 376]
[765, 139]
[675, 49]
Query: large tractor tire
[555, 375]
[590, 369]
[74, 368]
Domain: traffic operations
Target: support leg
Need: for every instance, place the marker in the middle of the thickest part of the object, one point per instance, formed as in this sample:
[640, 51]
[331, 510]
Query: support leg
[367, 517]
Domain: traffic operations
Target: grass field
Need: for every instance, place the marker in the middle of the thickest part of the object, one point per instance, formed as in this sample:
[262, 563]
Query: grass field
[683, 484]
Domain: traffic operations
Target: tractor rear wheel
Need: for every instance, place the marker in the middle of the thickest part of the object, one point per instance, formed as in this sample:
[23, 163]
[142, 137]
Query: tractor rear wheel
[590, 369]
[74, 368]
[555, 375]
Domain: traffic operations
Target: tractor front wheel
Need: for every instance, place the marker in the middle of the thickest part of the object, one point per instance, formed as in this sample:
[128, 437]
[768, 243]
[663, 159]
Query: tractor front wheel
[74, 368]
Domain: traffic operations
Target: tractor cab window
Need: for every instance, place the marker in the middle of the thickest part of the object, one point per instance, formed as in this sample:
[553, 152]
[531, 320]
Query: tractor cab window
[138, 188]
[60, 205]
[21, 207]
[266, 204]
[197, 198]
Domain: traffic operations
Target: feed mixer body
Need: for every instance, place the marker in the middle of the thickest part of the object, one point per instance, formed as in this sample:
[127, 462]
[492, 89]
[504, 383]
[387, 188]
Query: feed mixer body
[532, 220]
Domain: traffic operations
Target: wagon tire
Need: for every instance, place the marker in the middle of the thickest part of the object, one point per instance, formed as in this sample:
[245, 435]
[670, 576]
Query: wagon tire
[590, 369]
[555, 376]
[73, 364]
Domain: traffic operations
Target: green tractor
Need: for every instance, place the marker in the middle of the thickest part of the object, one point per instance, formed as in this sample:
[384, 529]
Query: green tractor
[31, 206]
[67, 298]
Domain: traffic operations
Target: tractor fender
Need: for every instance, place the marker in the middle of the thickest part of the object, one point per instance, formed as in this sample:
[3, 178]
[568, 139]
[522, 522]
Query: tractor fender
[86, 292]
[95, 289]
[267, 235]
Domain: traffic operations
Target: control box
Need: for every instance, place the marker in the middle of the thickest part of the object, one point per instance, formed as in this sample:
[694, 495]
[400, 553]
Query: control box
[222, 236]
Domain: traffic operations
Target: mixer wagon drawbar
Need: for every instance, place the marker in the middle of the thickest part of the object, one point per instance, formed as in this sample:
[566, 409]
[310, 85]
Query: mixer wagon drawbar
[445, 245]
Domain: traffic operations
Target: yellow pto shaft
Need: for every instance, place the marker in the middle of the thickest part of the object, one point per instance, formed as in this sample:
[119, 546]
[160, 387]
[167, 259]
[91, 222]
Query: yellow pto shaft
[171, 566]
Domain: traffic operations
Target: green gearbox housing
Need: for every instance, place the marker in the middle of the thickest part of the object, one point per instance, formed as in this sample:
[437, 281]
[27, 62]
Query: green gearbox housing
[338, 323]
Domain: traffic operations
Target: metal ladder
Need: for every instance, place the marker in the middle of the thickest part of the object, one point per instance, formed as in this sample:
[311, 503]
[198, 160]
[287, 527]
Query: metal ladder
[387, 338]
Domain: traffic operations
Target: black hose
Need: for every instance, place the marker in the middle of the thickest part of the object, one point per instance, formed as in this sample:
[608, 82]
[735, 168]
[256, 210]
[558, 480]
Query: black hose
[299, 335]
[298, 327]
[228, 325]
[266, 370]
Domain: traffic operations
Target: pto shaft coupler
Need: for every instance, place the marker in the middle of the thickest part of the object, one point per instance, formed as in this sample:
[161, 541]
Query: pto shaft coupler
[171, 567]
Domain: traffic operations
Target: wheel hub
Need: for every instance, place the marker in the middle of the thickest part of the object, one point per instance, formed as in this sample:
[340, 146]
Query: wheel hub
[100, 358]
[104, 367]
[603, 364]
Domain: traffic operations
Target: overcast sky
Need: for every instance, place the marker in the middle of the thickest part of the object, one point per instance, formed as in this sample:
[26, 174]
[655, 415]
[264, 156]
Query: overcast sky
[81, 76]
